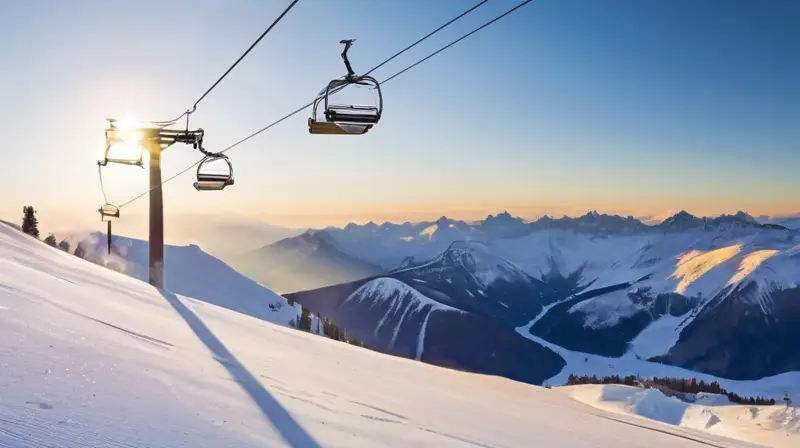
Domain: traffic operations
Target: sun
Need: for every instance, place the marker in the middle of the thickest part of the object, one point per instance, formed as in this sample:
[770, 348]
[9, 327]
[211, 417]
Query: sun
[124, 139]
[126, 122]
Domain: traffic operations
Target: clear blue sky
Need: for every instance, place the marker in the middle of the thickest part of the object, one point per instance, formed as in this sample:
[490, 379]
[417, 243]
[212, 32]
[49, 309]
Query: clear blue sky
[564, 106]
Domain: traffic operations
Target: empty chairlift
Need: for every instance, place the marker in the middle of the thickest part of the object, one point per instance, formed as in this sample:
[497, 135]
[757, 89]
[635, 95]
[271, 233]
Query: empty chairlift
[108, 213]
[214, 173]
[346, 118]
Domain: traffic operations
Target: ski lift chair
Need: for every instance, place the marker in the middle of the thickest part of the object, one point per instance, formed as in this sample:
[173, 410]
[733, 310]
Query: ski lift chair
[346, 119]
[214, 179]
[108, 213]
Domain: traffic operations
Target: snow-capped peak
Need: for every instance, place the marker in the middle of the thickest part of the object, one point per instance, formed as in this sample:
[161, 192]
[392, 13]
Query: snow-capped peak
[486, 266]
[386, 288]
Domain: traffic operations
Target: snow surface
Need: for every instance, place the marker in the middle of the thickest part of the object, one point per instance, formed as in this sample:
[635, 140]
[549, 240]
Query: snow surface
[190, 272]
[91, 358]
[607, 310]
[657, 338]
[489, 267]
[694, 263]
[699, 264]
[775, 426]
[477, 258]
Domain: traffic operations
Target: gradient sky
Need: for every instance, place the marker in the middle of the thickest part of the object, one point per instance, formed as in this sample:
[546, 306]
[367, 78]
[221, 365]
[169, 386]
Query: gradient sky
[626, 106]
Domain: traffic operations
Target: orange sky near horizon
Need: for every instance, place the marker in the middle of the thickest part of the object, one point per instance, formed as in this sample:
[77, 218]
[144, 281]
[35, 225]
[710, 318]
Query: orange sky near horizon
[58, 219]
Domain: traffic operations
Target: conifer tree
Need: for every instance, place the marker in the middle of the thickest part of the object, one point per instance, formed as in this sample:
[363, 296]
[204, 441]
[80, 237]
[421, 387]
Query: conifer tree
[30, 224]
[79, 251]
[50, 240]
[64, 245]
[305, 319]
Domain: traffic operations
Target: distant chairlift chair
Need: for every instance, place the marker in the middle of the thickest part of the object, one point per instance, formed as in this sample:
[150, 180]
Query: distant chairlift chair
[108, 213]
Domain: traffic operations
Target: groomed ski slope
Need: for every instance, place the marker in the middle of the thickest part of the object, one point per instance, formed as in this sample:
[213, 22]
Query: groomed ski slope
[92, 358]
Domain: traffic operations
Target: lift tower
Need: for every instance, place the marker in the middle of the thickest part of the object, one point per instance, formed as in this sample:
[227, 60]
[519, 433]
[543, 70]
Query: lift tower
[155, 140]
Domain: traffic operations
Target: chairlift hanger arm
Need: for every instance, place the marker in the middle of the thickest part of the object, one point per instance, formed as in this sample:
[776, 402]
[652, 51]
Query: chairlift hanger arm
[347, 44]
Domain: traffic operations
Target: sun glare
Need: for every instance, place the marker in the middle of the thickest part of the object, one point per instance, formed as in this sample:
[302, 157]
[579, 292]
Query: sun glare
[127, 122]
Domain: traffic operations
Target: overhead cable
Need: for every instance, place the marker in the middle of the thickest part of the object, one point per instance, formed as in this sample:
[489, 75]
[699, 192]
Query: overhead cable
[305, 106]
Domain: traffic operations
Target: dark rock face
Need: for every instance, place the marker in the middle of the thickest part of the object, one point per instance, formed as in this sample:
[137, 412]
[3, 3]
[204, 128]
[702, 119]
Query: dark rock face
[475, 344]
[392, 317]
[742, 336]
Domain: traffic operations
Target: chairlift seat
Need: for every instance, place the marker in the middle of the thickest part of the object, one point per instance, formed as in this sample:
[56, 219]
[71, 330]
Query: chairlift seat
[211, 185]
[331, 128]
[213, 177]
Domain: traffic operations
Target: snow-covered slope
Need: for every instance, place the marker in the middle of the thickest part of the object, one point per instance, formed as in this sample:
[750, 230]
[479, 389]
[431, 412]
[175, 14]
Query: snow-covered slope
[190, 272]
[471, 277]
[404, 306]
[96, 358]
[774, 426]
[629, 282]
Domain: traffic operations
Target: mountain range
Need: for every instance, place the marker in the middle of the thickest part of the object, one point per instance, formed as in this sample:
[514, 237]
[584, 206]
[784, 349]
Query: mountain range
[388, 244]
[715, 295]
